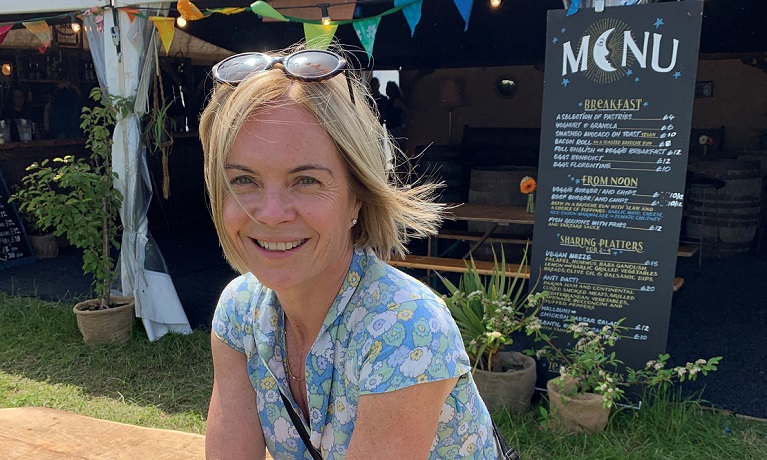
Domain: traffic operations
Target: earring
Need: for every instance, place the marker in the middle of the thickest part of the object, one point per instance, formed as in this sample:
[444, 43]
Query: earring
[354, 221]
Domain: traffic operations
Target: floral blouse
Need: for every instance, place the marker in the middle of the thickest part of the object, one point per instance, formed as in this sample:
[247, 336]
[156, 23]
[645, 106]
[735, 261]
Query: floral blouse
[385, 331]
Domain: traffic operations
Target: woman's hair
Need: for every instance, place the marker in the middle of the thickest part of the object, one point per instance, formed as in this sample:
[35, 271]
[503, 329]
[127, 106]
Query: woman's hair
[391, 210]
[392, 90]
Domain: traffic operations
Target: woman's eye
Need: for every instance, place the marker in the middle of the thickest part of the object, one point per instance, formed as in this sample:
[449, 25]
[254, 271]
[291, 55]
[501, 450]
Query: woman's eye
[307, 181]
[241, 180]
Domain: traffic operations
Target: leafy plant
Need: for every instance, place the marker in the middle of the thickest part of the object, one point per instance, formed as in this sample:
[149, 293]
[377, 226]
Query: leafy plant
[591, 366]
[77, 198]
[488, 313]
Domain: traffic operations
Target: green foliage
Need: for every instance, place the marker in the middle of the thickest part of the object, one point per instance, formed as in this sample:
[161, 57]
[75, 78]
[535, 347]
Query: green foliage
[591, 365]
[76, 198]
[488, 311]
[157, 126]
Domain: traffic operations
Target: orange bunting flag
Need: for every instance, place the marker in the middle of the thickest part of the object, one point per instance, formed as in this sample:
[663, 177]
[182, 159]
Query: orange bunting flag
[167, 30]
[41, 31]
[188, 11]
[227, 11]
[131, 12]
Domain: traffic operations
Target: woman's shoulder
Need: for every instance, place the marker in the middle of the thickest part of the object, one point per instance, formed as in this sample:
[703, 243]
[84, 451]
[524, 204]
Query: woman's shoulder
[241, 294]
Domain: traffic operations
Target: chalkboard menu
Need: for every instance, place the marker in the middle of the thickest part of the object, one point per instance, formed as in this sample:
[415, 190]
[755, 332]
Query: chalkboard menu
[615, 132]
[14, 246]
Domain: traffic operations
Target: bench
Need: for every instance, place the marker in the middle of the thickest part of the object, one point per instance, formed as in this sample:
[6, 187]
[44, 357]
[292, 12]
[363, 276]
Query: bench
[683, 251]
[459, 266]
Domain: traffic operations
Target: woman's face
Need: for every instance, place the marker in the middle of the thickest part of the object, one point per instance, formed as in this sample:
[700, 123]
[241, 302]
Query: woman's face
[288, 175]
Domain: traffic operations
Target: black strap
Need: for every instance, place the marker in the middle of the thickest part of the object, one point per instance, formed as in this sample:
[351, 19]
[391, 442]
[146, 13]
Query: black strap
[300, 428]
[509, 453]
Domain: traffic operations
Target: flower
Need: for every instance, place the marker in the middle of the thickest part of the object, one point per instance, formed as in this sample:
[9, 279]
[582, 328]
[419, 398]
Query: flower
[705, 140]
[527, 185]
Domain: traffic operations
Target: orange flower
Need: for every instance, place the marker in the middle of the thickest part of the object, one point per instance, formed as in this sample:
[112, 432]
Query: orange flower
[527, 185]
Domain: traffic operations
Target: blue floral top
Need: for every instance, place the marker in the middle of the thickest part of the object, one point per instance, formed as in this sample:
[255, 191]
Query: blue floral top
[385, 331]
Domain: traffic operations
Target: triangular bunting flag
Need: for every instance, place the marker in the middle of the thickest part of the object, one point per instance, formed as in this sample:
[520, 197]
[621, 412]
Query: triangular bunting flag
[464, 7]
[412, 12]
[167, 30]
[264, 9]
[318, 37]
[4, 28]
[366, 32]
[188, 11]
[574, 5]
[131, 12]
[41, 31]
[227, 11]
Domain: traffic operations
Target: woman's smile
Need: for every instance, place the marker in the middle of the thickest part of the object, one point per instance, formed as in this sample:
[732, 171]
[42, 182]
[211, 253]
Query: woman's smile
[282, 246]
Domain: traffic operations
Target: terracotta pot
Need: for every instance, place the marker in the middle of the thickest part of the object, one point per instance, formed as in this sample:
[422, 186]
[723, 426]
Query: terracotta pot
[104, 326]
[580, 413]
[45, 246]
[512, 389]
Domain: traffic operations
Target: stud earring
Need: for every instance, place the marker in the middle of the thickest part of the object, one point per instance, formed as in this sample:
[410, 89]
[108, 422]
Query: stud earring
[354, 221]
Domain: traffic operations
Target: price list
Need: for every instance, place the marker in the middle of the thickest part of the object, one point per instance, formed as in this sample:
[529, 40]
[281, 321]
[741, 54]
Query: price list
[615, 133]
[14, 247]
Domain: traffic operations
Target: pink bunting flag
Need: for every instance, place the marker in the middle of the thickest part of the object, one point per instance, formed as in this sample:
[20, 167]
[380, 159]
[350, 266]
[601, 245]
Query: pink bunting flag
[41, 30]
[4, 28]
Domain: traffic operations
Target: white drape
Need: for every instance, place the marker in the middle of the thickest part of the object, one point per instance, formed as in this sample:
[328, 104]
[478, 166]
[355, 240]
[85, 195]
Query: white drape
[142, 270]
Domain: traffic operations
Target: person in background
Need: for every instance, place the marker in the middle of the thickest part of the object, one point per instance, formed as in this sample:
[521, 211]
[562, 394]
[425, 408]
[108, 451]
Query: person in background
[381, 101]
[62, 113]
[319, 335]
[396, 114]
[16, 110]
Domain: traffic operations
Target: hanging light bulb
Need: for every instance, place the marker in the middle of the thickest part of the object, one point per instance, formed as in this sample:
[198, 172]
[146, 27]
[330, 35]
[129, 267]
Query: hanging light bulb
[495, 3]
[7, 69]
[325, 15]
[181, 22]
[74, 24]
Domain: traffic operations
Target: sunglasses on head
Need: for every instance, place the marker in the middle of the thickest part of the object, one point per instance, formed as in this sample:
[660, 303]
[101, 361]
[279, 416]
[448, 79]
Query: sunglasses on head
[305, 65]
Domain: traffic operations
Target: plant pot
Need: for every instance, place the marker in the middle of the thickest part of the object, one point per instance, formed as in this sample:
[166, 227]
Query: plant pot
[45, 246]
[512, 389]
[104, 326]
[575, 414]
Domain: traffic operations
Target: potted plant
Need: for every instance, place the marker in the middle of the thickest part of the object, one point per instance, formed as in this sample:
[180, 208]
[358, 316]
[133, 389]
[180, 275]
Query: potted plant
[77, 199]
[590, 381]
[488, 313]
[42, 238]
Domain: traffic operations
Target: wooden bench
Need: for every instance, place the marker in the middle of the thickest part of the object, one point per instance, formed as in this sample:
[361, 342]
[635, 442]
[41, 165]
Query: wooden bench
[459, 266]
[683, 251]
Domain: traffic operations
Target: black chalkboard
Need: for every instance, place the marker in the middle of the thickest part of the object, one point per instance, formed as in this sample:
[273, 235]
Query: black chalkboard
[14, 245]
[615, 130]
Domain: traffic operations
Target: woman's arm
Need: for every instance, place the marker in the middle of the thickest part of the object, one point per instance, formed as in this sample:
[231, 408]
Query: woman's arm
[233, 429]
[399, 424]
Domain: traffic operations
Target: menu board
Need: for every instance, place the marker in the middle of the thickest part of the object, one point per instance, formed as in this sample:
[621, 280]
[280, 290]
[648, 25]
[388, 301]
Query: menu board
[14, 246]
[615, 132]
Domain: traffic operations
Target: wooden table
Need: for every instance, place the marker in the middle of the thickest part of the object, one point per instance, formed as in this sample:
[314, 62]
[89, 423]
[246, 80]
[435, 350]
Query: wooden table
[497, 215]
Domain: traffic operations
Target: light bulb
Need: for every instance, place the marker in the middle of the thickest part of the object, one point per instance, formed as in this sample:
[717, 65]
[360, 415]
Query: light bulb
[7, 69]
[325, 15]
[181, 22]
[495, 3]
[75, 27]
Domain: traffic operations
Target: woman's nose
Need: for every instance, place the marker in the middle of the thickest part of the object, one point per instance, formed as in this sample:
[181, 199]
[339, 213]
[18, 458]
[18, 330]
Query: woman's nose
[274, 207]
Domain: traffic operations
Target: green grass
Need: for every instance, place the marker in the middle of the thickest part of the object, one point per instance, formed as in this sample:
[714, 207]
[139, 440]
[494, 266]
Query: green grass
[166, 384]
[44, 362]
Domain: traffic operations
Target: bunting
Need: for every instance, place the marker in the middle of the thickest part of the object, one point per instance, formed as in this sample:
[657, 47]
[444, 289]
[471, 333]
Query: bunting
[464, 7]
[4, 28]
[167, 30]
[366, 32]
[412, 12]
[41, 30]
[266, 10]
[188, 10]
[318, 36]
[131, 12]
[574, 5]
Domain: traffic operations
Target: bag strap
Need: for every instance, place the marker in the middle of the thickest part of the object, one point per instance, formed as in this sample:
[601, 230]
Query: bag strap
[300, 428]
[509, 453]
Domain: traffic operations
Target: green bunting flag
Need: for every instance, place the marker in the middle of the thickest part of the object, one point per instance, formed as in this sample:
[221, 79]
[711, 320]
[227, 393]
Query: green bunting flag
[366, 32]
[318, 36]
[264, 9]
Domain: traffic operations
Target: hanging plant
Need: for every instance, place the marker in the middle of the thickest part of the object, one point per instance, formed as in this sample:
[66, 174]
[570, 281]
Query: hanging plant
[159, 127]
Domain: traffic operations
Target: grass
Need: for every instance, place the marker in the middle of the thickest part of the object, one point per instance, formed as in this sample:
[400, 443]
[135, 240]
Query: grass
[166, 384]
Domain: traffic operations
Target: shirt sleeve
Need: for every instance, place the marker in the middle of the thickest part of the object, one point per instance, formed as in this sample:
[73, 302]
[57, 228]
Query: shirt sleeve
[413, 342]
[232, 312]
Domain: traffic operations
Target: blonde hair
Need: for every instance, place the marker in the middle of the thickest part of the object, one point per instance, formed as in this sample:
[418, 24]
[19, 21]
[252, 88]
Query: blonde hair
[391, 212]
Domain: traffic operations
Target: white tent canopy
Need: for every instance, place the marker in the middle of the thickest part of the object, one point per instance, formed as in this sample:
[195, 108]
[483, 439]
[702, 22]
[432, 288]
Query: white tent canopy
[123, 55]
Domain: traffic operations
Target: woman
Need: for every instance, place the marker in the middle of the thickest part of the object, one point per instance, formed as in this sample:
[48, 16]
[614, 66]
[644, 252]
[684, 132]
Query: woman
[396, 113]
[305, 209]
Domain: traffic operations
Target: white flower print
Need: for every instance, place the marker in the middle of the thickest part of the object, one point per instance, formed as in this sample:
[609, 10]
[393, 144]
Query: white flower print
[446, 414]
[284, 430]
[416, 362]
[381, 323]
[343, 410]
[469, 446]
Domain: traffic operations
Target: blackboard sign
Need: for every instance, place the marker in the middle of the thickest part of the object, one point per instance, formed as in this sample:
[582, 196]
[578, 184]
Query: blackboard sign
[615, 131]
[14, 246]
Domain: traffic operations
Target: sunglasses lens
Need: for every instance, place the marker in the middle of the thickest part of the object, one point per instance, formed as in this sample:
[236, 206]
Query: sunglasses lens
[237, 68]
[312, 64]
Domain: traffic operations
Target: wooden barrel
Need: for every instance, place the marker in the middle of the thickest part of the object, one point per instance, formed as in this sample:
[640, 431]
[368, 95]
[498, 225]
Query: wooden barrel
[442, 163]
[726, 218]
[500, 186]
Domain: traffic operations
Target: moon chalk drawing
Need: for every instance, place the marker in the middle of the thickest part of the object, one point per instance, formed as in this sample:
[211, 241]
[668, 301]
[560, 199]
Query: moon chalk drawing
[601, 52]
